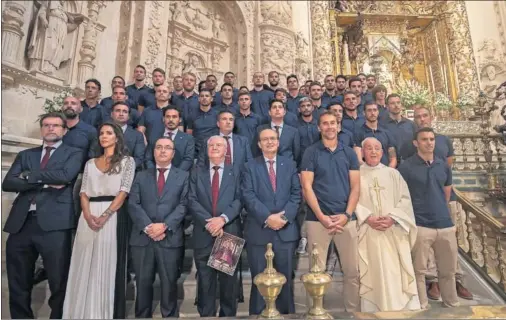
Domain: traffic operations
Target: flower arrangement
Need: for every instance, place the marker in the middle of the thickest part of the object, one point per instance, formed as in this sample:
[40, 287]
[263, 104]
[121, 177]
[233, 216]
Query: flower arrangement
[464, 101]
[442, 102]
[413, 93]
[57, 102]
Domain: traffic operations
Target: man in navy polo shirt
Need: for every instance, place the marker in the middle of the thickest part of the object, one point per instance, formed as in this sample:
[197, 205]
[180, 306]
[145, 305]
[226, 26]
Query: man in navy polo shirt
[246, 122]
[290, 118]
[315, 93]
[330, 95]
[355, 86]
[443, 150]
[93, 112]
[401, 128]
[136, 89]
[379, 95]
[331, 185]
[345, 136]
[189, 99]
[202, 121]
[293, 96]
[228, 77]
[226, 102]
[177, 86]
[260, 97]
[429, 180]
[371, 128]
[351, 117]
[147, 99]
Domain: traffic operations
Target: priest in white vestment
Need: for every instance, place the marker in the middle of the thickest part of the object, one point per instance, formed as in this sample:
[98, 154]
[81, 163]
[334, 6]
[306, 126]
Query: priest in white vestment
[387, 232]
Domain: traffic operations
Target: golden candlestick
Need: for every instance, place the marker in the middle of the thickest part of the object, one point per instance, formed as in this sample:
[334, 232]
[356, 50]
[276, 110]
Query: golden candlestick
[316, 283]
[269, 283]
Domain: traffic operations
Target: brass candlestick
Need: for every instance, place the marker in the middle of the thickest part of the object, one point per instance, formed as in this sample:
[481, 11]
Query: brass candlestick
[269, 283]
[316, 283]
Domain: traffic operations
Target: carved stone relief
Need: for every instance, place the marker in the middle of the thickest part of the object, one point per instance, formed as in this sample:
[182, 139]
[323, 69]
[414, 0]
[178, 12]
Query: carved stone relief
[277, 52]
[12, 24]
[278, 13]
[320, 33]
[405, 7]
[123, 37]
[491, 66]
[153, 36]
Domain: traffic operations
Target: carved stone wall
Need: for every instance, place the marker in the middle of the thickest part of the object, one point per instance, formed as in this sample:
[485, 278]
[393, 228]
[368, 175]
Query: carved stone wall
[320, 34]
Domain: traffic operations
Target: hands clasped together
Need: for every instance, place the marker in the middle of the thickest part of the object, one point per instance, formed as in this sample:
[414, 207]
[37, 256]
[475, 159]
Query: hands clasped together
[215, 226]
[276, 221]
[334, 224]
[380, 223]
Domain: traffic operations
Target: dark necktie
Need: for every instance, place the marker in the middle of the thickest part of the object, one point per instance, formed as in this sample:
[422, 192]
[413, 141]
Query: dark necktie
[228, 155]
[170, 134]
[161, 180]
[272, 174]
[45, 158]
[215, 188]
[277, 129]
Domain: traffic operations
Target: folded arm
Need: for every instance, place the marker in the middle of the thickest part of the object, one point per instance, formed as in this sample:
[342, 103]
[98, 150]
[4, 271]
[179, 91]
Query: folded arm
[12, 182]
[61, 176]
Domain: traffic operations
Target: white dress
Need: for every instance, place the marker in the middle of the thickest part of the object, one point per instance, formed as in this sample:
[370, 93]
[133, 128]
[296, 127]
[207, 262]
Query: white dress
[91, 282]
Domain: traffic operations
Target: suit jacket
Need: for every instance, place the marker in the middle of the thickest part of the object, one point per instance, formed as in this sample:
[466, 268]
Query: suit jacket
[240, 155]
[200, 203]
[289, 142]
[260, 200]
[185, 151]
[55, 207]
[134, 142]
[146, 207]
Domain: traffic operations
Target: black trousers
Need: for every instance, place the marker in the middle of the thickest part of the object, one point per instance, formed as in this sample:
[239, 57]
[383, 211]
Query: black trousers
[147, 262]
[207, 282]
[283, 263]
[22, 250]
[122, 232]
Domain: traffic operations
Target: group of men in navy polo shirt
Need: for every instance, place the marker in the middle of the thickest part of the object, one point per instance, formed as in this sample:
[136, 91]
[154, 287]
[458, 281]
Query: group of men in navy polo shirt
[320, 129]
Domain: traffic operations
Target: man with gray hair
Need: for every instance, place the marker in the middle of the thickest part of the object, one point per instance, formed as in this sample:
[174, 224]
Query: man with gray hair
[386, 234]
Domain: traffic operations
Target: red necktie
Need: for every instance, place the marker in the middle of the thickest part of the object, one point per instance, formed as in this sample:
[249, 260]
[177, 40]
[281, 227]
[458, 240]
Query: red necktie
[45, 158]
[228, 155]
[161, 180]
[272, 174]
[215, 188]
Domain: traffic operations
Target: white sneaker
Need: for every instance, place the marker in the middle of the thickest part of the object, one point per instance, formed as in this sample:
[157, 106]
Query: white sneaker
[301, 249]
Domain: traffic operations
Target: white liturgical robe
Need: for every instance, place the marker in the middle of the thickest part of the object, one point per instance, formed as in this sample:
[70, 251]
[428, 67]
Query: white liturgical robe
[387, 277]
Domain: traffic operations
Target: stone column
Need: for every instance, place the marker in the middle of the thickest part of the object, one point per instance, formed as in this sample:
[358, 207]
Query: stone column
[85, 66]
[277, 39]
[460, 47]
[12, 30]
[320, 34]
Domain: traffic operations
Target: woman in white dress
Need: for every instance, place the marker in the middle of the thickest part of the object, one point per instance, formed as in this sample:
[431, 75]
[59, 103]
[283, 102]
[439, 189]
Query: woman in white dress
[94, 282]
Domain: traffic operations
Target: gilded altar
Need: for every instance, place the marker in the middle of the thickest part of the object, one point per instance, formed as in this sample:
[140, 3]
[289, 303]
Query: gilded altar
[404, 41]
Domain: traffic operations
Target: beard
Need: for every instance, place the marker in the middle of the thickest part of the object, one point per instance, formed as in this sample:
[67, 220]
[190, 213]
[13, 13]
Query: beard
[70, 113]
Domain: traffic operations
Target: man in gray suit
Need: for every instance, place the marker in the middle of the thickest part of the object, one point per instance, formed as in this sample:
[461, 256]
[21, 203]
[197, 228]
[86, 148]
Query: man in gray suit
[157, 206]
[215, 205]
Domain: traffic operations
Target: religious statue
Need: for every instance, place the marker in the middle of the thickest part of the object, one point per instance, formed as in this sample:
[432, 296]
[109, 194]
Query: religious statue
[191, 66]
[46, 50]
[225, 253]
[489, 77]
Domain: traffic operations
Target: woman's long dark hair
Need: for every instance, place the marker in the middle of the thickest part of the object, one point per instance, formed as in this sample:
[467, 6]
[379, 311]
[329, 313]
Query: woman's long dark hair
[120, 150]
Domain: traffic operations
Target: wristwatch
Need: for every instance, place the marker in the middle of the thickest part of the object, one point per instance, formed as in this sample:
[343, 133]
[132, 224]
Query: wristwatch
[347, 216]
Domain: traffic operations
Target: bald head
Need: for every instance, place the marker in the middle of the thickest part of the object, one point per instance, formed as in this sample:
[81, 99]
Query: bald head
[71, 107]
[372, 151]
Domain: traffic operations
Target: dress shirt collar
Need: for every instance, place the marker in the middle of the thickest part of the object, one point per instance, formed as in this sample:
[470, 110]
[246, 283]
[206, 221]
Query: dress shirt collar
[55, 146]
[174, 132]
[168, 167]
[266, 160]
[228, 135]
[274, 125]
[124, 127]
[211, 165]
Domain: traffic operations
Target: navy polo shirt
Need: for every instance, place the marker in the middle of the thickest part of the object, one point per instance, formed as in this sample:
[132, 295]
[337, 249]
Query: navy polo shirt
[235, 96]
[318, 111]
[328, 99]
[260, 103]
[147, 99]
[81, 136]
[187, 104]
[349, 123]
[384, 115]
[382, 134]
[331, 182]
[308, 132]
[92, 116]
[346, 138]
[152, 119]
[246, 126]
[134, 93]
[402, 131]
[233, 107]
[203, 125]
[426, 186]
[290, 119]
[443, 148]
[292, 103]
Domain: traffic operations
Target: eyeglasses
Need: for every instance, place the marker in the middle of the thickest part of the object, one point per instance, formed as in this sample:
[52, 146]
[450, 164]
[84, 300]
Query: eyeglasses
[51, 125]
[269, 139]
[160, 148]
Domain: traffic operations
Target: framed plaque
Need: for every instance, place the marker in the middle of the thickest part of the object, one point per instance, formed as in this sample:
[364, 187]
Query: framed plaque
[226, 253]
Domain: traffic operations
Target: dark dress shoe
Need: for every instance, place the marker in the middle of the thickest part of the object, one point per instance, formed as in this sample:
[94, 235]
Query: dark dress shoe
[463, 293]
[433, 292]
[39, 276]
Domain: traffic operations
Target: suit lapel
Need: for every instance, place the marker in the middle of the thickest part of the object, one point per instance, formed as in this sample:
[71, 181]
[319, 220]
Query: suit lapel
[226, 180]
[280, 170]
[172, 175]
[262, 168]
[236, 146]
[129, 142]
[35, 158]
[154, 185]
[56, 154]
[205, 180]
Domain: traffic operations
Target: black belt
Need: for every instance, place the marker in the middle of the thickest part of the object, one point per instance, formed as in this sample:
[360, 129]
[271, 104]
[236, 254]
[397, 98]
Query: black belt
[102, 199]
[32, 213]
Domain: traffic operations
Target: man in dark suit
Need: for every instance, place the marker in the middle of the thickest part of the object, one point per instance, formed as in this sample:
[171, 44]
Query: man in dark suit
[184, 143]
[42, 217]
[289, 139]
[238, 149]
[157, 206]
[134, 140]
[215, 205]
[271, 195]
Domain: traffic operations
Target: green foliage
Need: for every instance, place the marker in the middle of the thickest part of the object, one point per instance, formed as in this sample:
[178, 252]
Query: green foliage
[413, 93]
[442, 101]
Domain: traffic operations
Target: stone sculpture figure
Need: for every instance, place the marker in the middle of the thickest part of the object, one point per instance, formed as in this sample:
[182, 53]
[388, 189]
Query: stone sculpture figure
[51, 25]
[191, 66]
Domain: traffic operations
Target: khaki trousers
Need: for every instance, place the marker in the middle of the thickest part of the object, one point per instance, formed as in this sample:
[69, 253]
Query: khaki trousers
[431, 275]
[347, 246]
[444, 243]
